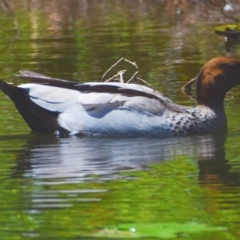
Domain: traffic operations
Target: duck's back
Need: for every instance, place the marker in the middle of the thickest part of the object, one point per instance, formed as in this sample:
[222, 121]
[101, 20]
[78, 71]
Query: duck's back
[120, 109]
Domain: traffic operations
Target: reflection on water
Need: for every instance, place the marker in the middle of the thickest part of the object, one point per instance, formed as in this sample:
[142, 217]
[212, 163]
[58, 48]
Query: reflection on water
[79, 159]
[230, 43]
[78, 175]
[214, 168]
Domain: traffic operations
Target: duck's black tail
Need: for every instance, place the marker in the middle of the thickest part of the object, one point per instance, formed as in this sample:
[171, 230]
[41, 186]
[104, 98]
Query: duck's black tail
[37, 118]
[8, 89]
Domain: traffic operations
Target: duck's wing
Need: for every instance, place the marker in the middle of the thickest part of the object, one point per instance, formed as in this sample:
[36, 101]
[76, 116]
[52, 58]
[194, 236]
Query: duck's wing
[45, 80]
[114, 88]
[140, 97]
[98, 97]
[43, 101]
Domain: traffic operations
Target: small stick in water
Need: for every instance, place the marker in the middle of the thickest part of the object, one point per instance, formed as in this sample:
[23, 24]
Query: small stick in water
[115, 64]
[117, 77]
[187, 88]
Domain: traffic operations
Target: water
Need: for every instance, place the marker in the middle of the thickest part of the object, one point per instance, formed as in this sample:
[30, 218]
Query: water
[71, 188]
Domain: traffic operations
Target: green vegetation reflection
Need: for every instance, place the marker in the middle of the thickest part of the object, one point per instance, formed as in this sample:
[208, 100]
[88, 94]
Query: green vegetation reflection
[157, 230]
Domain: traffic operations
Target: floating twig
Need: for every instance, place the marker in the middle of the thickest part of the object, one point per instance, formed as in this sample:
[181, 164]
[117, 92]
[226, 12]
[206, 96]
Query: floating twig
[133, 63]
[140, 79]
[117, 77]
[132, 77]
[115, 64]
[186, 88]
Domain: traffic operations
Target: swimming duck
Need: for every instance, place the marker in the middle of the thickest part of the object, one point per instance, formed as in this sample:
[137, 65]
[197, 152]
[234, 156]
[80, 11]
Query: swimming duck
[51, 105]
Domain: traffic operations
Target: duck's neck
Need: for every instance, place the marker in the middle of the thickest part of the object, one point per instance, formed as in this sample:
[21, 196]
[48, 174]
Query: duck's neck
[218, 109]
[213, 101]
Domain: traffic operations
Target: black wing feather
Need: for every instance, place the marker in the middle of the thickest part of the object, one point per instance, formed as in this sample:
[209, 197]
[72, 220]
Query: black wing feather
[83, 87]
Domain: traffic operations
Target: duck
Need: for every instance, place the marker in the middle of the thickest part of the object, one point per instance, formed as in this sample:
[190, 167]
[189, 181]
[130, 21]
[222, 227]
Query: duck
[55, 106]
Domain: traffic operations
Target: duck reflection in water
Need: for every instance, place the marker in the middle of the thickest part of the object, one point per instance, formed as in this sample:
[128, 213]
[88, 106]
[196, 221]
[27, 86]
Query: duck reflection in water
[214, 167]
[79, 159]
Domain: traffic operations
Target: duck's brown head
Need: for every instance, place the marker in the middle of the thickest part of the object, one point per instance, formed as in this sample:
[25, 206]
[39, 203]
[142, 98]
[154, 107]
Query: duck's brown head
[215, 79]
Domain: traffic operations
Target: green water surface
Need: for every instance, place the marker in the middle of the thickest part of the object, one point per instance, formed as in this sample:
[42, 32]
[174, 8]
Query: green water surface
[87, 188]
